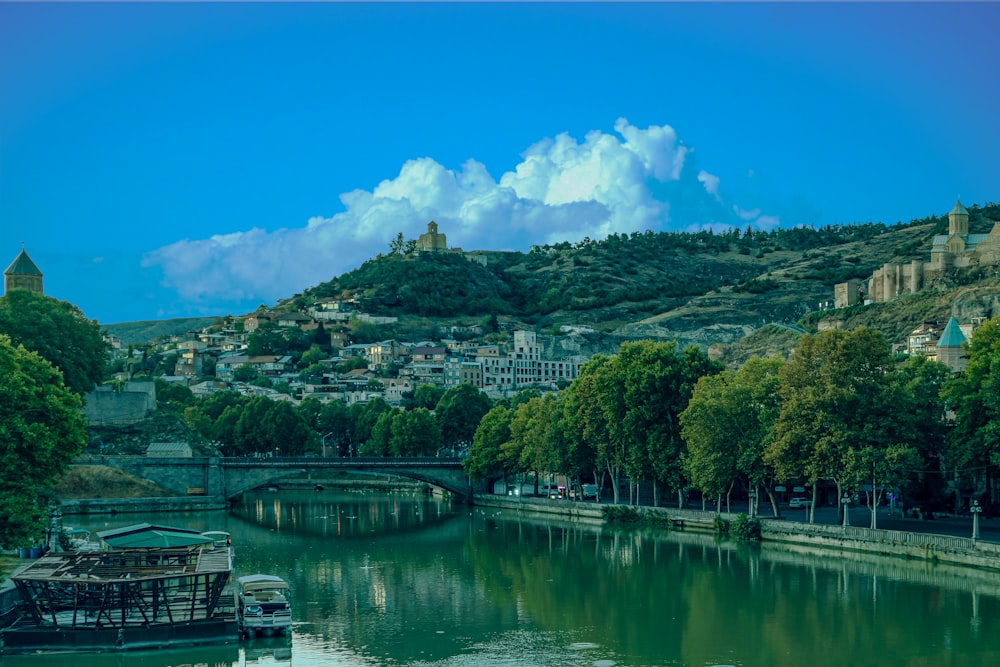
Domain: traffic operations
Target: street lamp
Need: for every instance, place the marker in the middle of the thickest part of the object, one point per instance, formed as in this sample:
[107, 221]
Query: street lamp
[847, 507]
[323, 438]
[975, 509]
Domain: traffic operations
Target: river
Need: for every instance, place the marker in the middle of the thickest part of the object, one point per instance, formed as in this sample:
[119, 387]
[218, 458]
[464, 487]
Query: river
[399, 578]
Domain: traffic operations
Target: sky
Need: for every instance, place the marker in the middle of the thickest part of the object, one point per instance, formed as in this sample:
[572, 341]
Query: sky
[192, 159]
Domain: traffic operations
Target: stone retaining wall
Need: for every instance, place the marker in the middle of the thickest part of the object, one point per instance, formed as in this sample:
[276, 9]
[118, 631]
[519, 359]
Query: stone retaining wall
[133, 505]
[919, 546]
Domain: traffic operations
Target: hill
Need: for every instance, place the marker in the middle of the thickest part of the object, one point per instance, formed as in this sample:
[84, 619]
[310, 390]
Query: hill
[147, 330]
[698, 288]
[703, 288]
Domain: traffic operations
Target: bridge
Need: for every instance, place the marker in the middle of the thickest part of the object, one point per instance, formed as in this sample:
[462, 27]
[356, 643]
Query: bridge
[230, 477]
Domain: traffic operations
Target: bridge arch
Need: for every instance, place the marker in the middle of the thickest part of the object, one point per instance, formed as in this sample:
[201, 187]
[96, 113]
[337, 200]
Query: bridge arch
[244, 474]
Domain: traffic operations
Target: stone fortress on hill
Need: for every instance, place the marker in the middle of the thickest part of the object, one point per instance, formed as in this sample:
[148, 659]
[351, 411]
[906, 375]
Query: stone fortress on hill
[958, 249]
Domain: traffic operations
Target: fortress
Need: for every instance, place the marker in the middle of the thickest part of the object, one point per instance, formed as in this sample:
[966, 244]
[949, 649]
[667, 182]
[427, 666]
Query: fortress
[958, 249]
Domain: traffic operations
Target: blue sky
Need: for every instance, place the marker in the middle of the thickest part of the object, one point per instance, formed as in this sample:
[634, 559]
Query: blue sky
[169, 160]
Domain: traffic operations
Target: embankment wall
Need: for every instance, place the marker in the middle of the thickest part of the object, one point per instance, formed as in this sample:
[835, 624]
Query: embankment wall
[919, 546]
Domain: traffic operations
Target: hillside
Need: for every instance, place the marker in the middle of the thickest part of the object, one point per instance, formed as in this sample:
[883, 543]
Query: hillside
[697, 288]
[147, 330]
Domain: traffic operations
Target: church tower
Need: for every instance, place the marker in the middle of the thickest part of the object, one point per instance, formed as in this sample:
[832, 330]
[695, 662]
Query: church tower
[22, 274]
[958, 219]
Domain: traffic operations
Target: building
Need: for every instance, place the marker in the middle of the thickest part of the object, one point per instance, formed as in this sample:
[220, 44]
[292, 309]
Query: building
[22, 274]
[432, 240]
[958, 249]
[949, 347]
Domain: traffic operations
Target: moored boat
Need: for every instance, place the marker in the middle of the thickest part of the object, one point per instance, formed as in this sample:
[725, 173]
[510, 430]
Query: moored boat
[262, 605]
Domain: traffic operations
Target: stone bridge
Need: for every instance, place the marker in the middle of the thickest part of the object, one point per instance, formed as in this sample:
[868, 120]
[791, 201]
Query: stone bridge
[229, 477]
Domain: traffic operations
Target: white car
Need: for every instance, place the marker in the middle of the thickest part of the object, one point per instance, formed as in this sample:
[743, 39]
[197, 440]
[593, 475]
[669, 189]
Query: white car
[799, 503]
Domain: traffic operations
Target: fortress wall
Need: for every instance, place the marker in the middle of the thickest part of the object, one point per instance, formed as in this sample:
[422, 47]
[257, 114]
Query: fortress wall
[108, 407]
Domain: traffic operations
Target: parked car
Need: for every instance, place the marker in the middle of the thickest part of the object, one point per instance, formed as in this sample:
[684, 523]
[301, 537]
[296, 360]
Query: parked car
[799, 503]
[589, 492]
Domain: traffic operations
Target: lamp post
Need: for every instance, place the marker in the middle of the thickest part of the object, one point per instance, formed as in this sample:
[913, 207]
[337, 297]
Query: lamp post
[847, 510]
[975, 509]
[323, 438]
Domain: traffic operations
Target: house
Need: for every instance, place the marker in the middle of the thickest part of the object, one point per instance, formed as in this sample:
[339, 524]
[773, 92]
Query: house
[169, 449]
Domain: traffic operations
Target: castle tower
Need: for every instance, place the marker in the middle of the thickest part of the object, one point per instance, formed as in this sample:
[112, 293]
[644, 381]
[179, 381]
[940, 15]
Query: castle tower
[432, 241]
[949, 347]
[958, 219]
[22, 274]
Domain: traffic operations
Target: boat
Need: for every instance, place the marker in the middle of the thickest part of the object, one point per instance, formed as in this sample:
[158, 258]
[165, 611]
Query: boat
[262, 605]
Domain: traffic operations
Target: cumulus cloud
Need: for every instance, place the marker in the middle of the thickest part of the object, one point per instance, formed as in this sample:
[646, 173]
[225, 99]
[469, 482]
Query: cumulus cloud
[561, 190]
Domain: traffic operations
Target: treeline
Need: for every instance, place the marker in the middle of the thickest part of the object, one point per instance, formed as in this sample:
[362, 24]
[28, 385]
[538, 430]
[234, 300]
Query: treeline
[841, 410]
[430, 420]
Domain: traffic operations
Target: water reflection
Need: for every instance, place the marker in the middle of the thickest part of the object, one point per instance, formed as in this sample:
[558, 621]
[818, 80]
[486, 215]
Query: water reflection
[400, 579]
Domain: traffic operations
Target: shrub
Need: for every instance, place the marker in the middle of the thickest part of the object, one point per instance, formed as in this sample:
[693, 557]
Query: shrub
[746, 529]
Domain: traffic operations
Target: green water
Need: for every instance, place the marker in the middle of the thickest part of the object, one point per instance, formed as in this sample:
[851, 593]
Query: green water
[399, 579]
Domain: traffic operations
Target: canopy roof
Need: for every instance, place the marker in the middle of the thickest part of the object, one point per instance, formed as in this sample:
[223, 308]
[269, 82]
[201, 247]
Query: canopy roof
[149, 536]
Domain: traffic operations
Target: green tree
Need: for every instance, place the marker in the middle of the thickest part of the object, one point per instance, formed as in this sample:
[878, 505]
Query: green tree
[536, 443]
[173, 394]
[485, 455]
[974, 395]
[414, 433]
[245, 373]
[878, 470]
[267, 339]
[836, 394]
[378, 443]
[427, 396]
[313, 355]
[60, 333]
[459, 412]
[727, 425]
[41, 430]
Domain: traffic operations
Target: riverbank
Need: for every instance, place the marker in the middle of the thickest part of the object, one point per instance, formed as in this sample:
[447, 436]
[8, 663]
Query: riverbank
[896, 543]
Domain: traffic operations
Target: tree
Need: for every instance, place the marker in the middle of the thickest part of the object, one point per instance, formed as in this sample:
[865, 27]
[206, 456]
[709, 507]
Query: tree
[459, 412]
[60, 333]
[485, 455]
[414, 433]
[41, 430]
[535, 437]
[427, 396]
[879, 469]
[173, 393]
[836, 394]
[974, 442]
[377, 443]
[312, 356]
[245, 373]
[268, 338]
[655, 385]
[727, 425]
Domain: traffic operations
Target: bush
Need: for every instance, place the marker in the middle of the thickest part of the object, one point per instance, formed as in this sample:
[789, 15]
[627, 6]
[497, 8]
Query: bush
[721, 525]
[745, 529]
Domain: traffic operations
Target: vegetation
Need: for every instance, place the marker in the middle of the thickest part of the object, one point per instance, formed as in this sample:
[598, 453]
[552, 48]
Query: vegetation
[105, 482]
[59, 332]
[41, 430]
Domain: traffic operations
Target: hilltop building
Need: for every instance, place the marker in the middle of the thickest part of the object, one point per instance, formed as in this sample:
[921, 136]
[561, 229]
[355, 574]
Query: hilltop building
[22, 274]
[432, 240]
[958, 249]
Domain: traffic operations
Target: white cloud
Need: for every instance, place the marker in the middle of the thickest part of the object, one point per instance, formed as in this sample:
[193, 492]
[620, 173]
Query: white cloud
[562, 190]
[710, 181]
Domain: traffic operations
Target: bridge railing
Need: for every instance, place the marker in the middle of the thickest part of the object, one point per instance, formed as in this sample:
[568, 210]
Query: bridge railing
[346, 462]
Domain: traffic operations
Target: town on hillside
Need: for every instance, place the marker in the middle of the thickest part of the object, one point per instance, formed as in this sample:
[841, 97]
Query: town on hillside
[328, 366]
